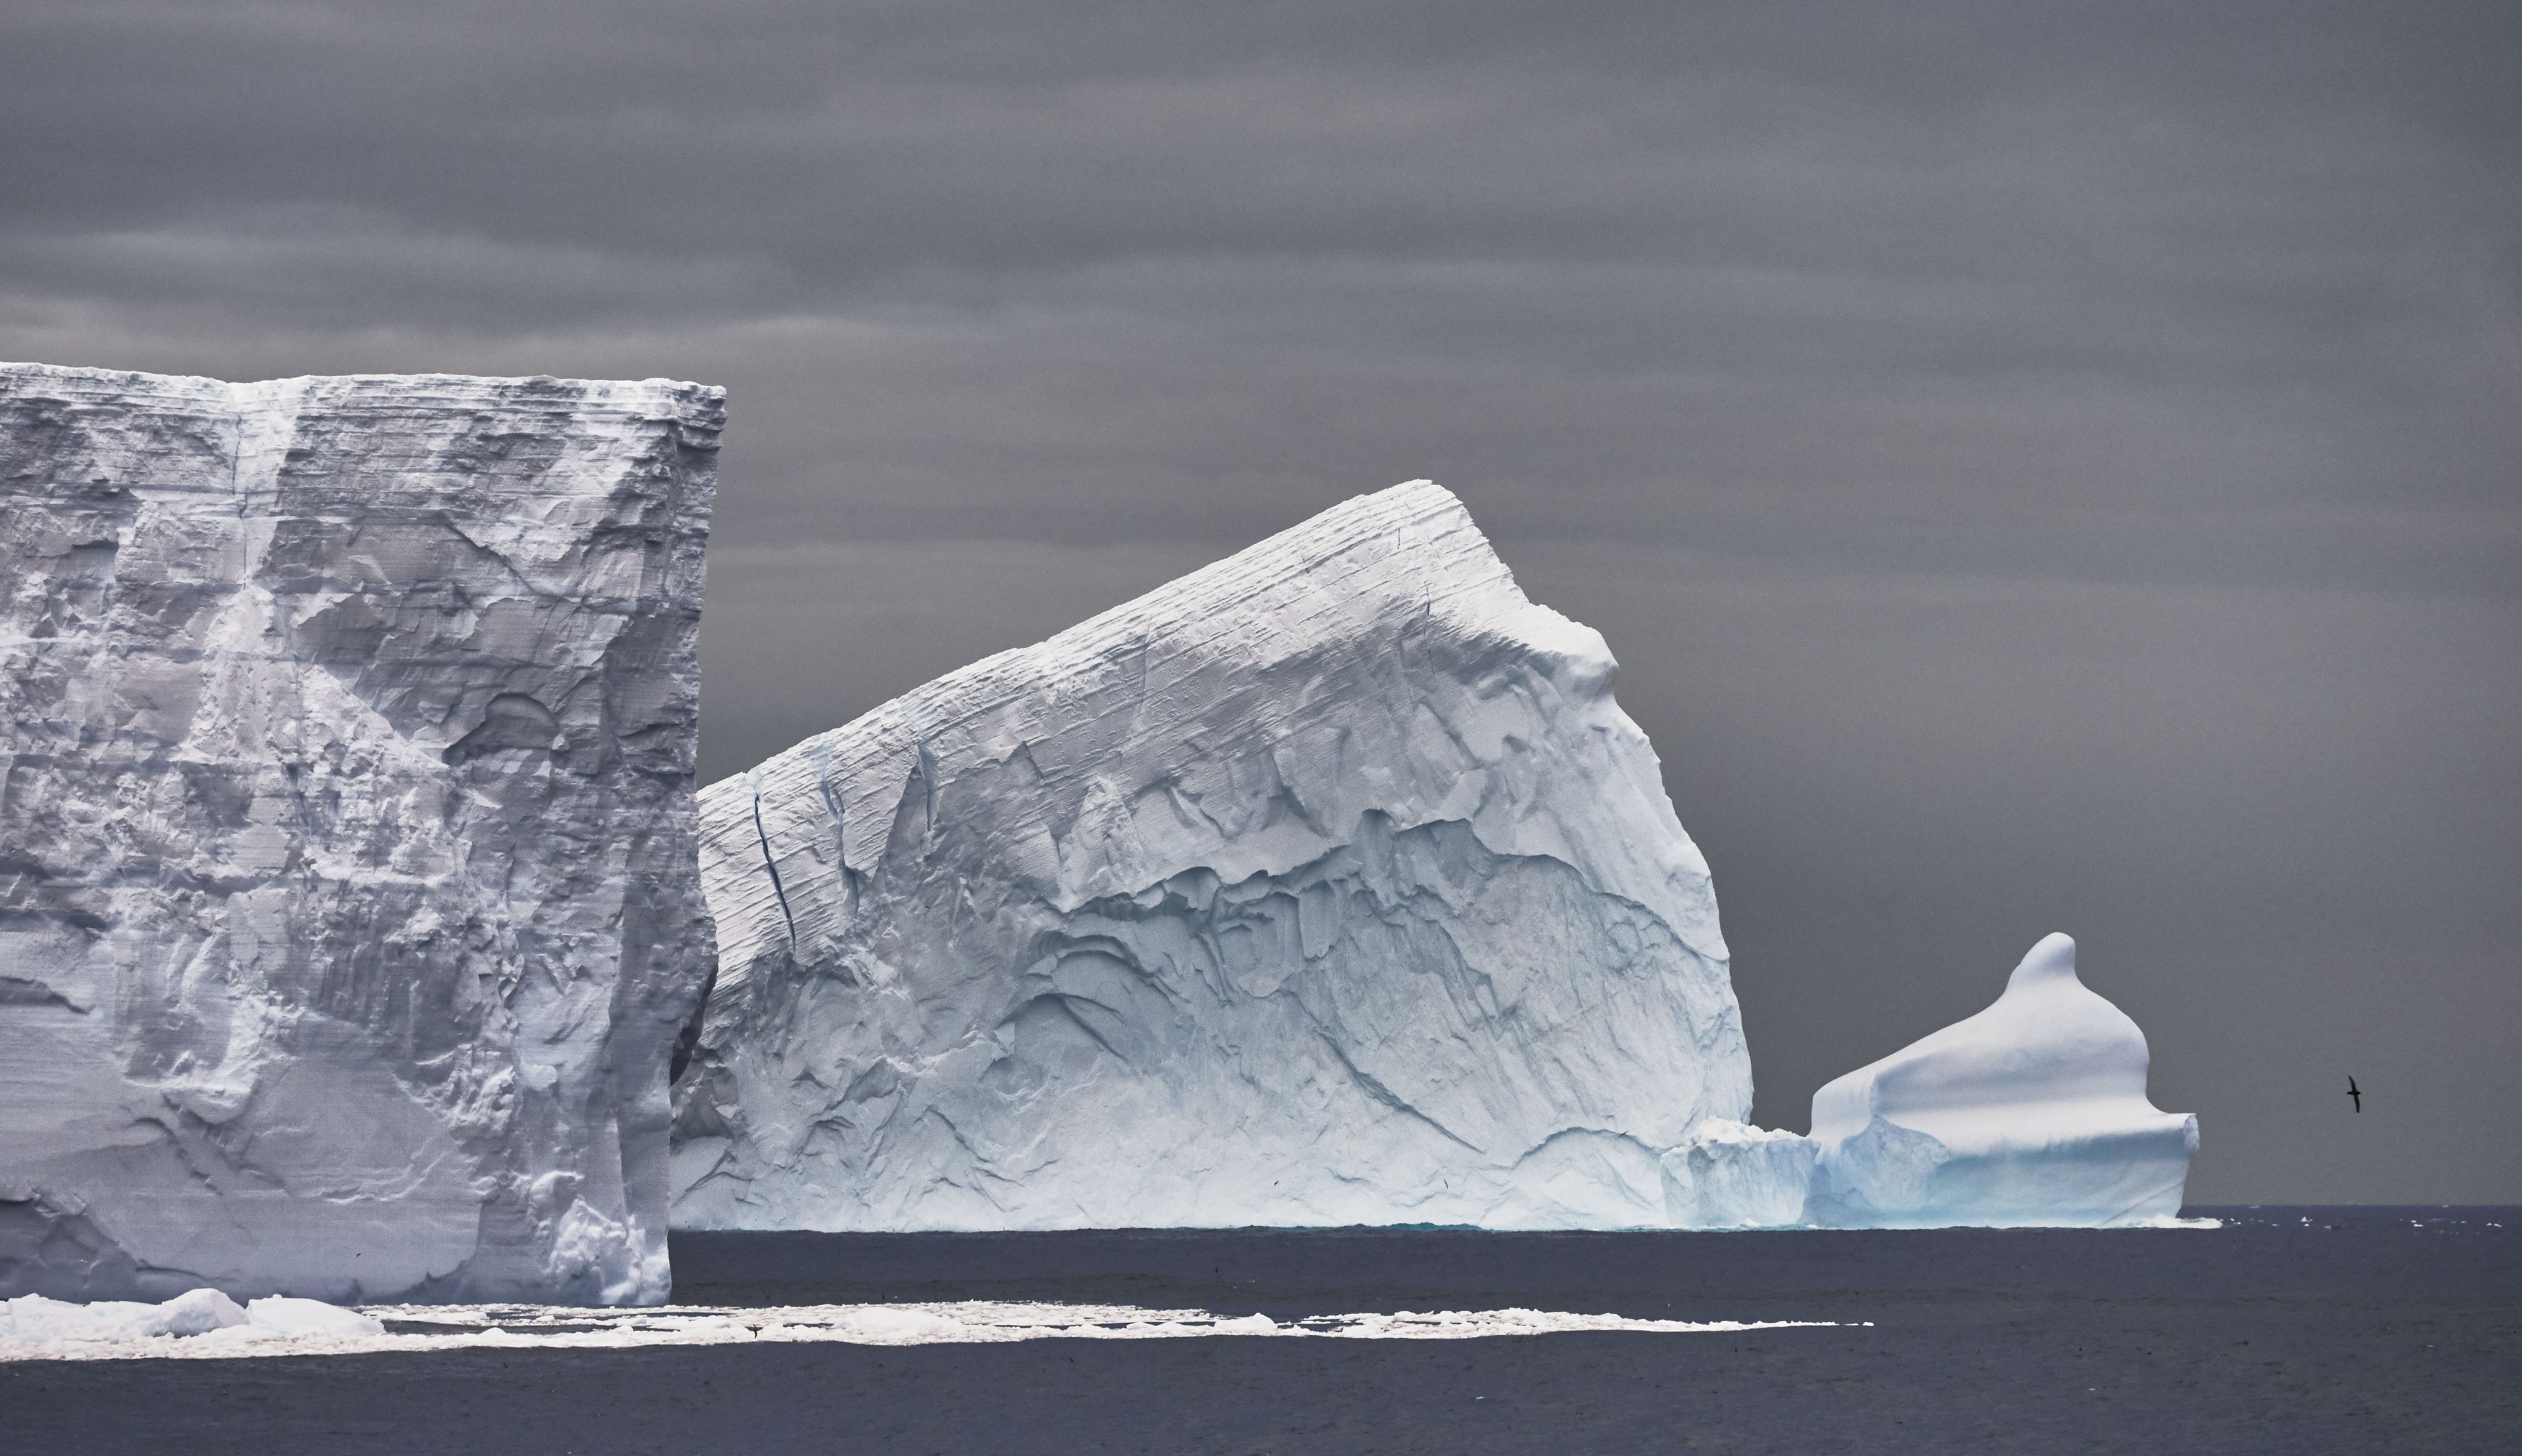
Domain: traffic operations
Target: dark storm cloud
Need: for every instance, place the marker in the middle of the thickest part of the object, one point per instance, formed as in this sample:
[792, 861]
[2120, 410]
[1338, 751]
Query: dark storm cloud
[2041, 466]
[2049, 273]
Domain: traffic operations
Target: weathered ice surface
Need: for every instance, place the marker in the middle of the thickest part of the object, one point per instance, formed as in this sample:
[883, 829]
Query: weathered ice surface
[2033, 1111]
[349, 913]
[1325, 885]
[1731, 1175]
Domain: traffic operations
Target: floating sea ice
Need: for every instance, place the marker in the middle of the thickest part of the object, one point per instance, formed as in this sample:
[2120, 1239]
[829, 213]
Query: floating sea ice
[34, 1317]
[206, 1314]
[283, 1315]
[968, 1321]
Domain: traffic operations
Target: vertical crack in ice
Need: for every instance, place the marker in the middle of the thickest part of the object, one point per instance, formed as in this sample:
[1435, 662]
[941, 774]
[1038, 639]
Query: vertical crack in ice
[236, 463]
[840, 826]
[772, 865]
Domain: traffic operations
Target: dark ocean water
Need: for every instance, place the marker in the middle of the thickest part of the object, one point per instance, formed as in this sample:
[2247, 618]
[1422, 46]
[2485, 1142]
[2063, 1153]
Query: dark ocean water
[2288, 1330]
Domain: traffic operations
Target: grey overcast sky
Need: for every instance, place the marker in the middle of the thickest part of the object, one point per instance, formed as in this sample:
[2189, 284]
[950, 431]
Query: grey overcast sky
[2041, 466]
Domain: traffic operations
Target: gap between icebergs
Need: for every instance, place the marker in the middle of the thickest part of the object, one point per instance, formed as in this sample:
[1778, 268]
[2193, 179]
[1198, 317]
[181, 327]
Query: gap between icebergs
[968, 1321]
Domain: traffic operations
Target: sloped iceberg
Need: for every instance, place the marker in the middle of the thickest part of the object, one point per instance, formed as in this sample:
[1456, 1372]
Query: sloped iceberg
[1325, 885]
[2031, 1112]
[351, 911]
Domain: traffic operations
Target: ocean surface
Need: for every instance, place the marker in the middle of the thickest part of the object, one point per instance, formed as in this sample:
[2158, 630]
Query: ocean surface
[2285, 1330]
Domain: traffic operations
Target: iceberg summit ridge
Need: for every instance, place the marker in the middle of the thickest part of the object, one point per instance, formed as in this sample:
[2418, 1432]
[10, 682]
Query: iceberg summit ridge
[353, 912]
[1325, 885]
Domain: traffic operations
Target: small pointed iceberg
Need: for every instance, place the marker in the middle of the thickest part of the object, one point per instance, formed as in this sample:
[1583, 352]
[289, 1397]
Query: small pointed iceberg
[2031, 1112]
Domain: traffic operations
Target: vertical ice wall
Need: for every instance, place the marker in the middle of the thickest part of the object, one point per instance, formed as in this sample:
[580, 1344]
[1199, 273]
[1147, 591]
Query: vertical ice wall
[349, 912]
[1325, 885]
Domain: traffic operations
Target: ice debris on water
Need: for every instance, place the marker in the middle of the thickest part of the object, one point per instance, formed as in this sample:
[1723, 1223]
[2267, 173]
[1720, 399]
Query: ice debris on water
[33, 1326]
[56, 1331]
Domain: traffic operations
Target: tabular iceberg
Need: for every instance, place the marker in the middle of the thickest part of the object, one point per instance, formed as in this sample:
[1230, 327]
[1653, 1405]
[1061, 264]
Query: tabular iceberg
[2031, 1112]
[1325, 885]
[351, 911]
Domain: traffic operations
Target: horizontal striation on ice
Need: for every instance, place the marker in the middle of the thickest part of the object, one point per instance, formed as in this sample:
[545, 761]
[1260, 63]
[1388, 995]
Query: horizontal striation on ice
[350, 913]
[1325, 885]
[2031, 1112]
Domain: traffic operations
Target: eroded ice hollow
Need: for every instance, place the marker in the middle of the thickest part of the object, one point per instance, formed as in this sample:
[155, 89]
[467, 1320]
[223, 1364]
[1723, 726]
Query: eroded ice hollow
[1325, 885]
[351, 913]
[2031, 1112]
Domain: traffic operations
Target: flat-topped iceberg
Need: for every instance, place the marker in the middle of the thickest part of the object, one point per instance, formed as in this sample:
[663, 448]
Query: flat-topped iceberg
[352, 911]
[1327, 885]
[2031, 1112]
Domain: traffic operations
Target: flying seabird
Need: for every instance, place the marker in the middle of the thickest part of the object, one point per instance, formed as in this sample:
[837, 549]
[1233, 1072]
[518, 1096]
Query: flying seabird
[2354, 1096]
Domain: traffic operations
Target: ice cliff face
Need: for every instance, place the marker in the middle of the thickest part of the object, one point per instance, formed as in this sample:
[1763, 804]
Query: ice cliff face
[349, 914]
[1731, 1175]
[2031, 1112]
[1325, 885]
